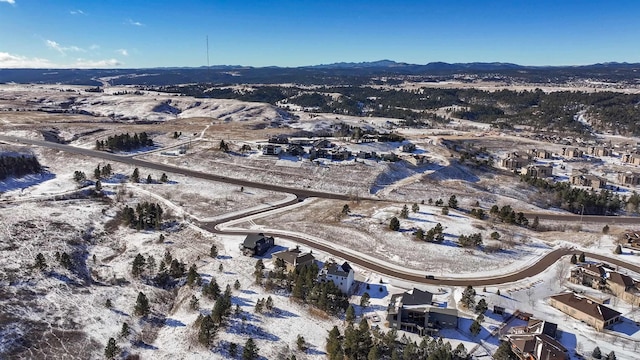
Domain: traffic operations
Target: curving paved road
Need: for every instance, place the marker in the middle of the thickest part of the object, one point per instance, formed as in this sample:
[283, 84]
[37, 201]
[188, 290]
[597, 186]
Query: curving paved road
[542, 264]
[300, 193]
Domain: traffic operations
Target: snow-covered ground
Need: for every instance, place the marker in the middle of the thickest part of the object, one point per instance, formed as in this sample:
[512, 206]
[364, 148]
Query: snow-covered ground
[63, 310]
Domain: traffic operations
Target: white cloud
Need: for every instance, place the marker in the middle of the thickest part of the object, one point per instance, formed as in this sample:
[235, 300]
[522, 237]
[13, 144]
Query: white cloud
[55, 46]
[12, 2]
[16, 61]
[84, 63]
[63, 49]
[134, 23]
[123, 52]
[94, 47]
[75, 12]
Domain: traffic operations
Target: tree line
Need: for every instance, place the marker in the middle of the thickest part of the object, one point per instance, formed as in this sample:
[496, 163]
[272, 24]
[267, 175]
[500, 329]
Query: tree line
[18, 166]
[124, 142]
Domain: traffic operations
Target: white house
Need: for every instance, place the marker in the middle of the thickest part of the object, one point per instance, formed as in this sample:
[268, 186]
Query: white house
[341, 275]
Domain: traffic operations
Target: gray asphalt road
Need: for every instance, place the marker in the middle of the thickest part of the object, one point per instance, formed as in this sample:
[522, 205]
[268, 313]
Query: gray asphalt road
[529, 271]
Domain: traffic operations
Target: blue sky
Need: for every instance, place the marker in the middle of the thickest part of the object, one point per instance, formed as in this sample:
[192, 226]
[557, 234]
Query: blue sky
[143, 33]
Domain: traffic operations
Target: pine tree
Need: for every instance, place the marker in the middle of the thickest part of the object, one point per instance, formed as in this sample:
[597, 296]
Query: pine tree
[135, 177]
[194, 303]
[137, 268]
[124, 332]
[504, 352]
[301, 343]
[445, 210]
[468, 297]
[98, 186]
[481, 307]
[164, 178]
[233, 349]
[40, 262]
[333, 343]
[596, 354]
[374, 353]
[250, 351]
[111, 350]
[618, 249]
[221, 267]
[108, 304]
[605, 229]
[269, 303]
[149, 179]
[581, 258]
[207, 330]
[236, 284]
[394, 224]
[404, 213]
[192, 275]
[574, 259]
[142, 305]
[475, 328]
[214, 251]
[259, 306]
[350, 316]
[415, 208]
[453, 202]
[364, 300]
[345, 209]
[419, 234]
[612, 355]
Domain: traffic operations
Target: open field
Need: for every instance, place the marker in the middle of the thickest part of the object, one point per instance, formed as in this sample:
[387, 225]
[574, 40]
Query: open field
[60, 311]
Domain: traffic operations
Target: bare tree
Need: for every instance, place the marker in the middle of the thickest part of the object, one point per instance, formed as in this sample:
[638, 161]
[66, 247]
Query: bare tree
[562, 271]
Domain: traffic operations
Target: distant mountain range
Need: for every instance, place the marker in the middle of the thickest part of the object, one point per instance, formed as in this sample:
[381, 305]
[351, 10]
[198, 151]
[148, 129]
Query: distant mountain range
[329, 74]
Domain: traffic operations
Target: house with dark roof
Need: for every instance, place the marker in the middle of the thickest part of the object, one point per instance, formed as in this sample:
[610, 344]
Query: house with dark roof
[294, 259]
[256, 244]
[341, 275]
[592, 275]
[516, 160]
[537, 347]
[600, 151]
[629, 178]
[540, 153]
[571, 153]
[414, 311]
[586, 310]
[537, 171]
[588, 180]
[624, 287]
[536, 341]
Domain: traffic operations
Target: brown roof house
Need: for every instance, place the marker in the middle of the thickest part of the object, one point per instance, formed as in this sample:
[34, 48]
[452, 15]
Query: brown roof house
[631, 159]
[536, 341]
[516, 160]
[624, 287]
[415, 311]
[592, 275]
[629, 178]
[592, 181]
[294, 259]
[586, 310]
[540, 154]
[572, 153]
[600, 151]
[537, 171]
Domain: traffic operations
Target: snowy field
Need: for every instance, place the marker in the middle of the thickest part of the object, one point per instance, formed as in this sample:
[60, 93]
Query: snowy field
[61, 312]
